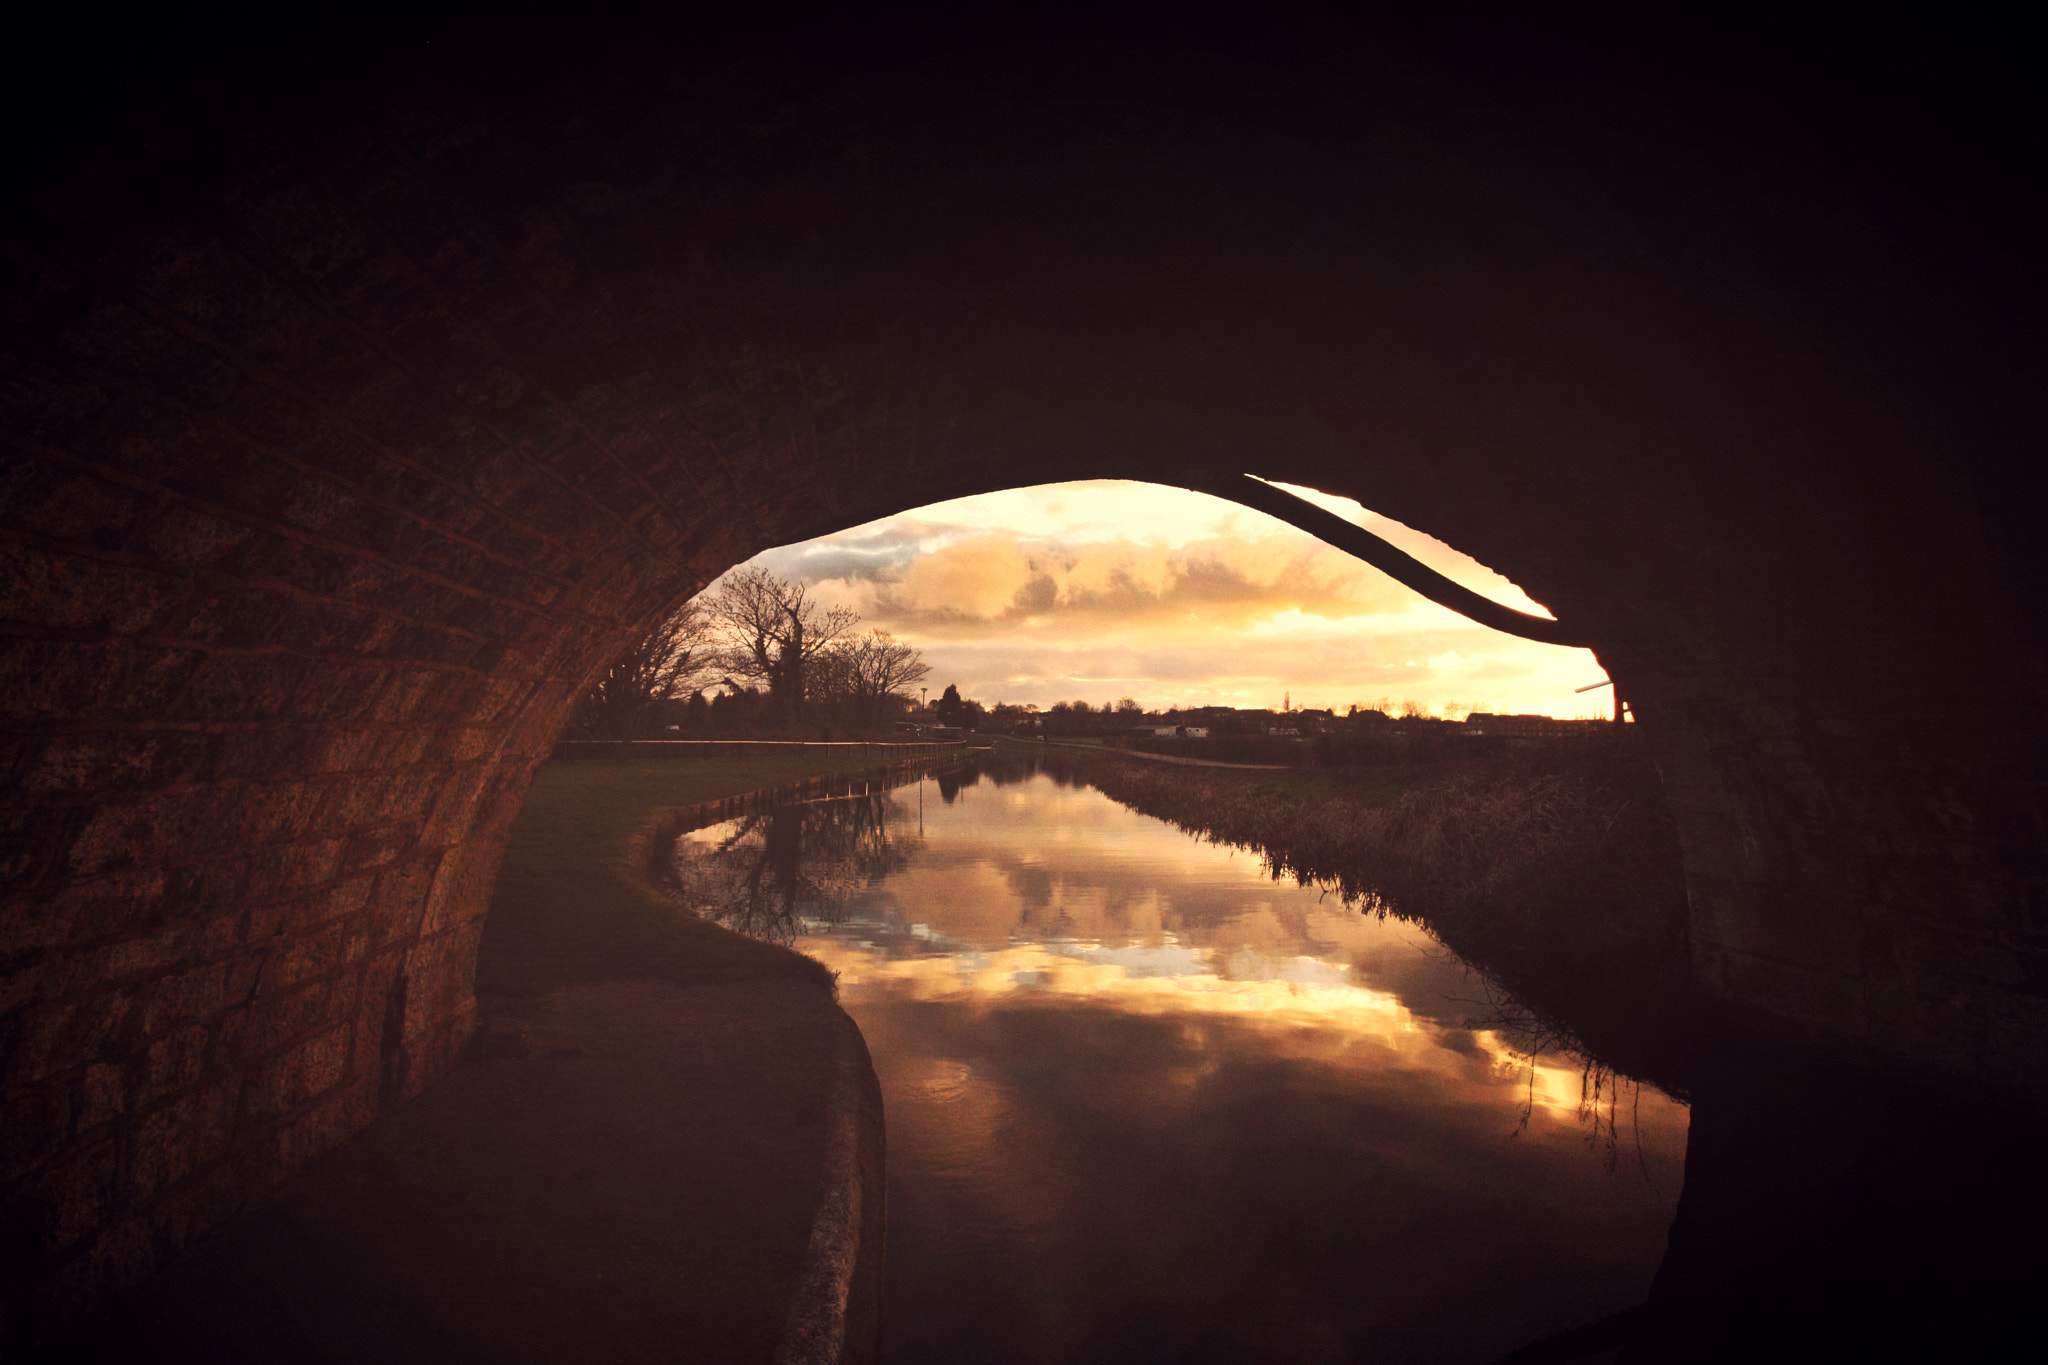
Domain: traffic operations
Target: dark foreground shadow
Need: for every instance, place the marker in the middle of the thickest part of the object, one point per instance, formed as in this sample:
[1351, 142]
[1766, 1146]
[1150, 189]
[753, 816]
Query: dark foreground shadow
[1833, 1212]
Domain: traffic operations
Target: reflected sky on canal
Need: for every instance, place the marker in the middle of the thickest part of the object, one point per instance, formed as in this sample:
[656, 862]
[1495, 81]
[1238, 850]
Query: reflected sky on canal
[1146, 1103]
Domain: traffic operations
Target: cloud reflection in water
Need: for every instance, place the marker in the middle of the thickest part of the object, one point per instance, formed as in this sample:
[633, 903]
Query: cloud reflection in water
[1146, 1103]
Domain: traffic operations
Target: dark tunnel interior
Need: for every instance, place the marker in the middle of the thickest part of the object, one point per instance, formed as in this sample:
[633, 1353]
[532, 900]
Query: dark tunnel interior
[367, 386]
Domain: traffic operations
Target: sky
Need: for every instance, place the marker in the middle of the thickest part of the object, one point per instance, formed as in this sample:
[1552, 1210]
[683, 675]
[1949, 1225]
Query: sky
[1107, 589]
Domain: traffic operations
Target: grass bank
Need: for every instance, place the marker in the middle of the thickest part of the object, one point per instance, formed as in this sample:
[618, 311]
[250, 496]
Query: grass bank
[573, 902]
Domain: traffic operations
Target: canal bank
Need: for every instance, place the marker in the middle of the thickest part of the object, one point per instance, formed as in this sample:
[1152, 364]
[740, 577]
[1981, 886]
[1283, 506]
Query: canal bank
[664, 1142]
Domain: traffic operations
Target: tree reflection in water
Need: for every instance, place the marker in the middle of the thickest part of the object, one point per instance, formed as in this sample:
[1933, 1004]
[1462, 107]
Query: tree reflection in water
[763, 875]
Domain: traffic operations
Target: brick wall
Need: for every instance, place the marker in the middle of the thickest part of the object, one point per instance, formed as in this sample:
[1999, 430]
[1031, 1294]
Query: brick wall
[359, 401]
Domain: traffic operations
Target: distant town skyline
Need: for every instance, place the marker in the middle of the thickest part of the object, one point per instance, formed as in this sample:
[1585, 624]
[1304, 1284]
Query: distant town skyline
[1107, 589]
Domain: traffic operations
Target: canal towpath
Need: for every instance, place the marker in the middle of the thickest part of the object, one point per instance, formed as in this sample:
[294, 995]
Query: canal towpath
[665, 1141]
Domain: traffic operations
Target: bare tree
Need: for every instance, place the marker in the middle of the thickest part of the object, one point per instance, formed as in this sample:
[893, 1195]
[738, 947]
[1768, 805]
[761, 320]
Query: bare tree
[770, 630]
[869, 671]
[665, 665]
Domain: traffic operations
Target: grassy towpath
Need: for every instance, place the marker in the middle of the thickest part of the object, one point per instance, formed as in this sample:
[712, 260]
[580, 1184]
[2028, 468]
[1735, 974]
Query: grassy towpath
[572, 904]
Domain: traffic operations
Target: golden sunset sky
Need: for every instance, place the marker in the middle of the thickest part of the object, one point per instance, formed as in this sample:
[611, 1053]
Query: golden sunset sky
[1109, 589]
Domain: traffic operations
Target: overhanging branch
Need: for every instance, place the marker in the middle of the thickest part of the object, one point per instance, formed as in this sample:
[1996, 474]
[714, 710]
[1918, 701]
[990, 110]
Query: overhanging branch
[1397, 564]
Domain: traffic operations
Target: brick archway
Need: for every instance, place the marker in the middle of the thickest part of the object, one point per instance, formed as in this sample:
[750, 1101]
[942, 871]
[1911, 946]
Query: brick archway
[362, 399]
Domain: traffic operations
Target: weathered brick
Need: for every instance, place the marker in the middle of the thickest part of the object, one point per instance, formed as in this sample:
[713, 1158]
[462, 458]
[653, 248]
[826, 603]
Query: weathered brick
[285, 1080]
[402, 891]
[178, 1058]
[85, 910]
[103, 1094]
[376, 980]
[143, 955]
[297, 959]
[47, 1040]
[345, 750]
[241, 686]
[271, 811]
[193, 994]
[21, 982]
[117, 680]
[337, 691]
[67, 504]
[316, 911]
[455, 806]
[185, 536]
[80, 1192]
[67, 592]
[110, 763]
[39, 1124]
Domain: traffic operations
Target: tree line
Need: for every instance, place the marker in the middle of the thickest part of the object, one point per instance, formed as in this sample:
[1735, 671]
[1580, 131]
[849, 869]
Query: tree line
[758, 653]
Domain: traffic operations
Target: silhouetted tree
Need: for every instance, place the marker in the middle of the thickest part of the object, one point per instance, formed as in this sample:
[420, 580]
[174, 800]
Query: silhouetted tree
[870, 673]
[769, 631]
[1009, 716]
[949, 705]
[632, 697]
[1070, 718]
[737, 711]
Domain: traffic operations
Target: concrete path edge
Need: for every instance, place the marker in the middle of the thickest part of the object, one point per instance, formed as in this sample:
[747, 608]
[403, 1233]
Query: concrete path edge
[835, 1313]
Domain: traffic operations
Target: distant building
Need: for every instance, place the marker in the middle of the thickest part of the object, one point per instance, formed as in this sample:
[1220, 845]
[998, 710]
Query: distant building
[929, 730]
[1224, 720]
[1520, 726]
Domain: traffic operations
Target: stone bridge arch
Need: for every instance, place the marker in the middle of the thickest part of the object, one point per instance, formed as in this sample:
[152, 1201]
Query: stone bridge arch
[362, 395]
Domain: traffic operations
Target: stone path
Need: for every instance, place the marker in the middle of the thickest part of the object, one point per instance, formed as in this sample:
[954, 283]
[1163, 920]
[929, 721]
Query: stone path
[632, 1171]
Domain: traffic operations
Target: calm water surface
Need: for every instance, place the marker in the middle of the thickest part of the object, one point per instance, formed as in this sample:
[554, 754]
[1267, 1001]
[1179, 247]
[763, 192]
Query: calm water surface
[1145, 1103]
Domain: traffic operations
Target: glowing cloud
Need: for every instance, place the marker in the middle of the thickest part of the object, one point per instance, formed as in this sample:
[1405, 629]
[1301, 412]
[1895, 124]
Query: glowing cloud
[1107, 589]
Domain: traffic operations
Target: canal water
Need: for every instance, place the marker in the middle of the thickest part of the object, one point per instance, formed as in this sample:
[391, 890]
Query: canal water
[1147, 1103]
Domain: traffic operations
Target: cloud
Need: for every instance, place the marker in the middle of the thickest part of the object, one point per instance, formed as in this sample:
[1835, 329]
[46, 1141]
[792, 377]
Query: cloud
[992, 579]
[1100, 590]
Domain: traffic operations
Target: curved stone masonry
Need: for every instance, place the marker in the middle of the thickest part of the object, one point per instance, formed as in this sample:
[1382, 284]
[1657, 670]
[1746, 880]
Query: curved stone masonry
[364, 391]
